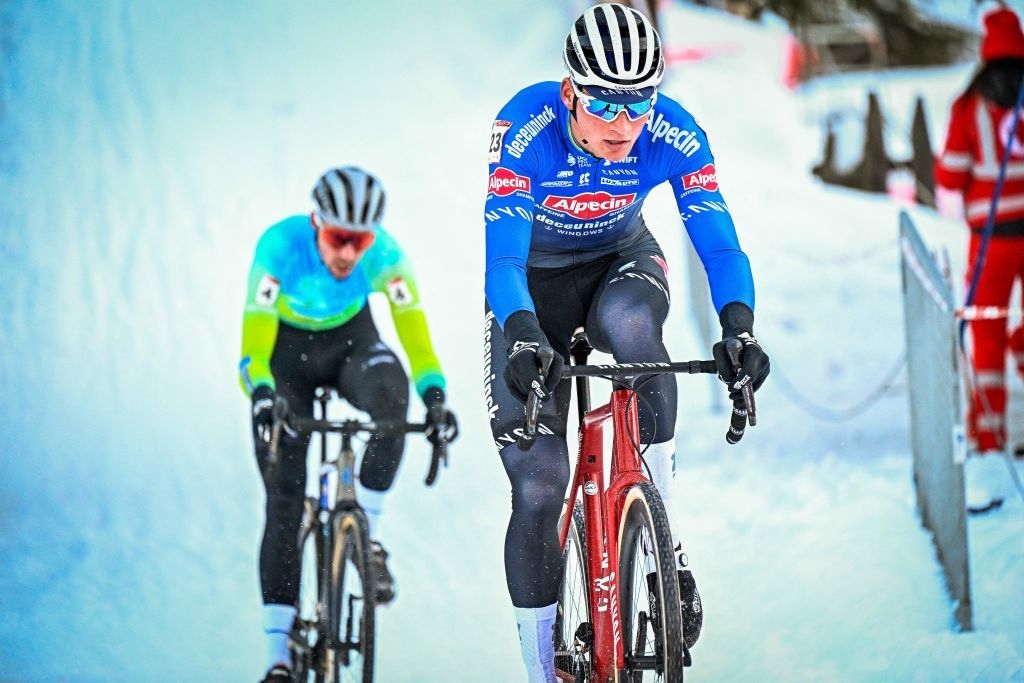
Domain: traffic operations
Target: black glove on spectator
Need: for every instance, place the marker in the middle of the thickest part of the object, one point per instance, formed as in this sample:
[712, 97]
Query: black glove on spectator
[262, 414]
[443, 427]
[738, 323]
[530, 355]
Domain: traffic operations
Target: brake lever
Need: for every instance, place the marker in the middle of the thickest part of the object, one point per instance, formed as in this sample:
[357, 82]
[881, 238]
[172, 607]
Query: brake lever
[280, 415]
[529, 435]
[747, 389]
[748, 401]
[439, 453]
[738, 420]
[525, 441]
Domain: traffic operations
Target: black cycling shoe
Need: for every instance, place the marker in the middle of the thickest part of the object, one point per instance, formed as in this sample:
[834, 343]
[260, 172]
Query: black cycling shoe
[384, 580]
[691, 607]
[278, 673]
[693, 612]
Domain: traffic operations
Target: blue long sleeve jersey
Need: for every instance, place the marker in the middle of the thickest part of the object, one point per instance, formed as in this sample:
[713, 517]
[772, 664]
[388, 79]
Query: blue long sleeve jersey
[551, 204]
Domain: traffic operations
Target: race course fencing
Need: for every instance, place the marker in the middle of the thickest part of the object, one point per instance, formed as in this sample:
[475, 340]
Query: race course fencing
[936, 413]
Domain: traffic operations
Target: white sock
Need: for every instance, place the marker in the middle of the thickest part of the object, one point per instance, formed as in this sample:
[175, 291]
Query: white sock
[372, 503]
[536, 642]
[277, 624]
[661, 458]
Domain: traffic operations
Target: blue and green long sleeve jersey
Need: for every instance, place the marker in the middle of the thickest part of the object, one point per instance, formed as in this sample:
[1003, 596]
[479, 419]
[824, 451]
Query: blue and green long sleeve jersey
[289, 282]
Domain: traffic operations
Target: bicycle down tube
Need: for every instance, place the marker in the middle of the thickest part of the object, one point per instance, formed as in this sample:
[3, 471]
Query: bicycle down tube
[601, 511]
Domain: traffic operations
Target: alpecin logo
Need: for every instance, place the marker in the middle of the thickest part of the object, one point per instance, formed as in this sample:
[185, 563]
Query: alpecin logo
[589, 204]
[504, 182]
[705, 179]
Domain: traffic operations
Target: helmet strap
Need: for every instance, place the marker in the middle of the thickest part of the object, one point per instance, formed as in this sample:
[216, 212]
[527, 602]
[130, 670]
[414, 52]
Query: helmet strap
[575, 101]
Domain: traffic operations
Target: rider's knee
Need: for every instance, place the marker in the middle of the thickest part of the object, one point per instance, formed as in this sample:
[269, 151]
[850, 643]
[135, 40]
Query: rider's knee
[385, 391]
[541, 498]
[538, 476]
[625, 316]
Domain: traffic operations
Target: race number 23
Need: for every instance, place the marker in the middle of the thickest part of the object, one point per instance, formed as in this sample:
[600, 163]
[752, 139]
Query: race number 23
[498, 131]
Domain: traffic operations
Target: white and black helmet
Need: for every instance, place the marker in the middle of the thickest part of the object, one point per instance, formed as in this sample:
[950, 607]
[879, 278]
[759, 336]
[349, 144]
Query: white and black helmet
[349, 197]
[614, 46]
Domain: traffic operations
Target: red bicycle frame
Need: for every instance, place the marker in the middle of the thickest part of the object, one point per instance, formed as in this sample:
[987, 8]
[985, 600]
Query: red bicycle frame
[603, 506]
[602, 509]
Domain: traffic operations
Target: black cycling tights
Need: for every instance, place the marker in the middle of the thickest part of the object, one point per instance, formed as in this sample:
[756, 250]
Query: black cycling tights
[623, 302]
[369, 376]
[539, 478]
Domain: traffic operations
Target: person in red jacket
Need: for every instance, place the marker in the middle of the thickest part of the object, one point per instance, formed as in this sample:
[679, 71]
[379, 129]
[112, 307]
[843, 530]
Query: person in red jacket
[979, 134]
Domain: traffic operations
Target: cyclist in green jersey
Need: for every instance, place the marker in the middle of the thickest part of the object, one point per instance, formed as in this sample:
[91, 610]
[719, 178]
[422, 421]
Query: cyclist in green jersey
[307, 324]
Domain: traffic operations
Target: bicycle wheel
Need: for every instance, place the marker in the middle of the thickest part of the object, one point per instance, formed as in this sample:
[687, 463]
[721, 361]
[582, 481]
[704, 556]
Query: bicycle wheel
[652, 622]
[574, 632]
[306, 642]
[351, 601]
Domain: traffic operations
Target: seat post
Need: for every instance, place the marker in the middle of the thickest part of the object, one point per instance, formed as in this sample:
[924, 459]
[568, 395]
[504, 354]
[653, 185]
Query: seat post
[580, 349]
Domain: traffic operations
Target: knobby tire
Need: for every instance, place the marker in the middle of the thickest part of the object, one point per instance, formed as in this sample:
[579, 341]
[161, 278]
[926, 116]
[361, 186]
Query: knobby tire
[352, 601]
[645, 546]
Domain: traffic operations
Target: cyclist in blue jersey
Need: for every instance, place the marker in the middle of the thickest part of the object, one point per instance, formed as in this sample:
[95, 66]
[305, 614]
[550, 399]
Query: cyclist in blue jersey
[307, 324]
[566, 245]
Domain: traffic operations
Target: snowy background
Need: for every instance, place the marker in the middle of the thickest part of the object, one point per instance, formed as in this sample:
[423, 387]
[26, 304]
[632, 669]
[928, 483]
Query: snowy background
[144, 147]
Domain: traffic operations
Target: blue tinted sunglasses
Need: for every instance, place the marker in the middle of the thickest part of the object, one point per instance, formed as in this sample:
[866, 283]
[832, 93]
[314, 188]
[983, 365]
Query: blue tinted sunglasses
[607, 111]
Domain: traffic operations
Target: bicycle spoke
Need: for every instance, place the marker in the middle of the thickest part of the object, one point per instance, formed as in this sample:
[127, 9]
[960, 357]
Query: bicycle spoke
[573, 634]
[645, 626]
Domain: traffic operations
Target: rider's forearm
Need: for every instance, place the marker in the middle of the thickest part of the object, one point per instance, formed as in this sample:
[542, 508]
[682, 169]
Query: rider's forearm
[729, 277]
[712, 232]
[259, 333]
[728, 269]
[411, 326]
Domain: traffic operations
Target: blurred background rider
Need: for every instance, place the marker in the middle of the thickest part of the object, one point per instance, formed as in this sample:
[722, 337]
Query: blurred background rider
[307, 324]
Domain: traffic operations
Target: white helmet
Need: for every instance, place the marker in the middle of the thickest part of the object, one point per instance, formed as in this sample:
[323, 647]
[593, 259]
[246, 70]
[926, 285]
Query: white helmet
[613, 46]
[349, 197]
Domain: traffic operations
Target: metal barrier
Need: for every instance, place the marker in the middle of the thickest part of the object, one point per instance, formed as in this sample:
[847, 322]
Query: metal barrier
[936, 414]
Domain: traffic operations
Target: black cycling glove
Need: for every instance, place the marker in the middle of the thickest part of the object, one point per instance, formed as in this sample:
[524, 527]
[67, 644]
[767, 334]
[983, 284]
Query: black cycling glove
[262, 414]
[442, 427]
[738, 323]
[529, 356]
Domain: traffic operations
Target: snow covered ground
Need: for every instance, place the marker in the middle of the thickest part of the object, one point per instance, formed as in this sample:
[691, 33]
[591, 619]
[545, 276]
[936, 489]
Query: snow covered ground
[144, 147]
